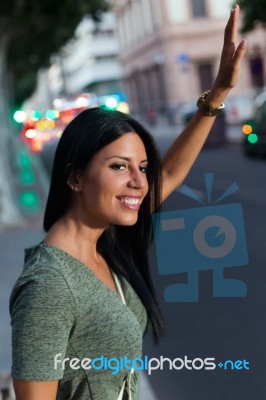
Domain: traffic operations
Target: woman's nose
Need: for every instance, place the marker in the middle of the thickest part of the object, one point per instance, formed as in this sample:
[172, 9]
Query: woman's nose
[138, 179]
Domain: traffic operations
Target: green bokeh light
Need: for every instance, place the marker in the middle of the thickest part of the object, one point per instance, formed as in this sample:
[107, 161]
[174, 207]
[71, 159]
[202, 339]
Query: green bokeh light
[29, 199]
[111, 103]
[253, 138]
[24, 160]
[27, 177]
[19, 116]
[36, 115]
[52, 114]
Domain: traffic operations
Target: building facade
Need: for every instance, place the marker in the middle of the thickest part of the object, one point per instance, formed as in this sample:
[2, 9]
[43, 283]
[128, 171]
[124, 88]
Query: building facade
[170, 51]
[89, 62]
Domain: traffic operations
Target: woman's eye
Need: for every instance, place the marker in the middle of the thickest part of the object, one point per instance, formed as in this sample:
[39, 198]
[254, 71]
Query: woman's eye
[118, 167]
[144, 169]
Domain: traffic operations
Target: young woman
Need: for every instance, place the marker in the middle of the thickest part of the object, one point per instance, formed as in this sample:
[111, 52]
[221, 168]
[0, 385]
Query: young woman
[85, 294]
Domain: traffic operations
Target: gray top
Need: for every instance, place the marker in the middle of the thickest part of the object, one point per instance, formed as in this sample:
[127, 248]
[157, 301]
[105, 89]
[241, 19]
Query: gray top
[58, 305]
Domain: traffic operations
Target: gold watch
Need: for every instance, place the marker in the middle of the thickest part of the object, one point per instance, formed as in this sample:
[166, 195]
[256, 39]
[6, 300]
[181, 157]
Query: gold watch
[206, 108]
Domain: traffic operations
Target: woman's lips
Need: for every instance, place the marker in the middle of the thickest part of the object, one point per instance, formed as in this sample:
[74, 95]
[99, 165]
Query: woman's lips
[133, 203]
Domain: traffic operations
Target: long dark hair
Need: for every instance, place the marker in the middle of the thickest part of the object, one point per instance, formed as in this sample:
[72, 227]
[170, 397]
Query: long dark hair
[125, 248]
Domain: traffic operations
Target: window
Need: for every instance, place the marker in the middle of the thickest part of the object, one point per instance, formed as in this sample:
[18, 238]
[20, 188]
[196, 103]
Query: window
[205, 71]
[107, 57]
[198, 8]
[103, 33]
[257, 72]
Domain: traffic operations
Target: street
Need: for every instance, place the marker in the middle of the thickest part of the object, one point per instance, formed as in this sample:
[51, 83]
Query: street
[212, 327]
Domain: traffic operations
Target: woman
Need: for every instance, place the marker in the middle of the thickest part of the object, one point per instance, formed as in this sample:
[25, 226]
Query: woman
[85, 292]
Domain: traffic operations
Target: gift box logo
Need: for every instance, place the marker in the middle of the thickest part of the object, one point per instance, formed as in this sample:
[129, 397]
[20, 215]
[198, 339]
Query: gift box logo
[211, 237]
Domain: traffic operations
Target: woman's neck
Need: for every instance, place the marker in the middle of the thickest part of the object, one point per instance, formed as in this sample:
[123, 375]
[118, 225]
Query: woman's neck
[75, 238]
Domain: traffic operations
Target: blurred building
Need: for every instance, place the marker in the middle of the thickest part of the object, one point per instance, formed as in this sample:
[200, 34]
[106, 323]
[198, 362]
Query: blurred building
[89, 62]
[170, 51]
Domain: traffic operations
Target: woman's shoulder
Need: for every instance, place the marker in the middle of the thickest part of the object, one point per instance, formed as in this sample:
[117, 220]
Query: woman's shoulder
[49, 270]
[49, 261]
[41, 266]
[41, 276]
[46, 274]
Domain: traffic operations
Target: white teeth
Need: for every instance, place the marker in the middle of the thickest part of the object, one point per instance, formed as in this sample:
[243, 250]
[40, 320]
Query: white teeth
[129, 201]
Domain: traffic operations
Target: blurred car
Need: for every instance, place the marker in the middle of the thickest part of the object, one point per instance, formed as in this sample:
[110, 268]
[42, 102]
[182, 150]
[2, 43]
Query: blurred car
[239, 107]
[254, 130]
[43, 129]
[217, 135]
[39, 134]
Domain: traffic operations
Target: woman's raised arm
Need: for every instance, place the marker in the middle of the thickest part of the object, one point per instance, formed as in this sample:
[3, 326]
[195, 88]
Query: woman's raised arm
[181, 155]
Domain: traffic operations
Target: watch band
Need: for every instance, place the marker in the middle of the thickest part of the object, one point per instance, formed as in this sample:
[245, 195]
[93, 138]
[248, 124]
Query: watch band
[206, 108]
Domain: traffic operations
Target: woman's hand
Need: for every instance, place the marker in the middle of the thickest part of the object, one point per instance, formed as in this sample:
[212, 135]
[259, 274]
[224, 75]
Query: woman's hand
[231, 57]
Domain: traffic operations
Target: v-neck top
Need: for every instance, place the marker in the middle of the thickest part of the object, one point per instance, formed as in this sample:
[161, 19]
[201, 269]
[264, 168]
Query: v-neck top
[61, 310]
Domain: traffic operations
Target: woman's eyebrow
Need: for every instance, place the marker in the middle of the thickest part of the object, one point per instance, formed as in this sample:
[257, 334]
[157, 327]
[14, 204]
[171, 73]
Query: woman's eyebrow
[124, 158]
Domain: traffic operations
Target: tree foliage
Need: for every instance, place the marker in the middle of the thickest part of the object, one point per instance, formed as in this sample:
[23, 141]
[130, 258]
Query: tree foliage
[36, 29]
[254, 12]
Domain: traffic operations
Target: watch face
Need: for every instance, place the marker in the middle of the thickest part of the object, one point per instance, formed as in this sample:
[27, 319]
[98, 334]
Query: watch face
[206, 108]
[209, 110]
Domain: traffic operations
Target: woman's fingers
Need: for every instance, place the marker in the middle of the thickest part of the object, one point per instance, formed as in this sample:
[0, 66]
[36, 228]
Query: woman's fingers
[235, 15]
[231, 54]
[240, 51]
[231, 29]
[230, 38]
[233, 70]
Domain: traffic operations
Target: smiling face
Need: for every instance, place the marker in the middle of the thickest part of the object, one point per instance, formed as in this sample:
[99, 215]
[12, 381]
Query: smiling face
[114, 183]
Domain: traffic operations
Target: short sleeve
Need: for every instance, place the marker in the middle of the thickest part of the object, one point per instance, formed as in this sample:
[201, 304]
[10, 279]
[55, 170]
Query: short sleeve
[42, 318]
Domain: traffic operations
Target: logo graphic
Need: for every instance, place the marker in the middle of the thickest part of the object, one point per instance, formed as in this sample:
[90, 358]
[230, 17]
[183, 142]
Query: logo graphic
[197, 239]
[116, 365]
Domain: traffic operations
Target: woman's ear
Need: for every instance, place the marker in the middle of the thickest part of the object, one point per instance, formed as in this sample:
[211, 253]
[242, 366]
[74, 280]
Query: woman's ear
[75, 181]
